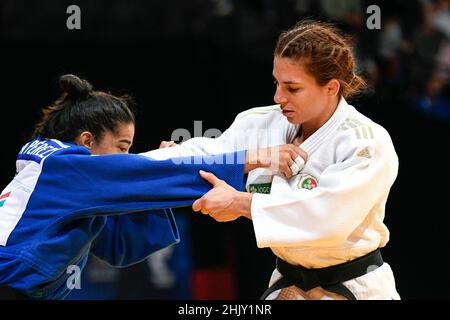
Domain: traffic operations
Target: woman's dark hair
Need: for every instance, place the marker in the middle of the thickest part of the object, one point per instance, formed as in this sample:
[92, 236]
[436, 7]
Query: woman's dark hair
[79, 109]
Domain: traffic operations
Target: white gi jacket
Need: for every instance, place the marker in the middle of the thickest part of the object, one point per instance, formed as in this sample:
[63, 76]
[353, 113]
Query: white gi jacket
[333, 210]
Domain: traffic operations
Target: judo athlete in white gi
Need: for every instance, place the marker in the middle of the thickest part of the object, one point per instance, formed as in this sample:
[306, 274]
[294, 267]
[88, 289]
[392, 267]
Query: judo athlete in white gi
[324, 224]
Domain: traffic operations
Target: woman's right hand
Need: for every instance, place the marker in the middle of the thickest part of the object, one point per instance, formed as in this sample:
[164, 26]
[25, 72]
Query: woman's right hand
[285, 159]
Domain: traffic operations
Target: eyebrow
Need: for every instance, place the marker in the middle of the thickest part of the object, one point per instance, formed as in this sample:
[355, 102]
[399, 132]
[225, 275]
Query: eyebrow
[287, 82]
[291, 82]
[126, 141]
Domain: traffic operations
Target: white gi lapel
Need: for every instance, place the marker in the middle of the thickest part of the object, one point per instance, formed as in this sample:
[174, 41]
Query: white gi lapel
[304, 180]
[322, 134]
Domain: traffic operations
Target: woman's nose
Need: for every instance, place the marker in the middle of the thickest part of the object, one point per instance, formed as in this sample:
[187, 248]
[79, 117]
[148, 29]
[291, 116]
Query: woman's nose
[279, 98]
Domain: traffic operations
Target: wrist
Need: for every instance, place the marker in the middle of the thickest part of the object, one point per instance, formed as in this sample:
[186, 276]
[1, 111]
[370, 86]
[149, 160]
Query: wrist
[253, 160]
[250, 161]
[244, 204]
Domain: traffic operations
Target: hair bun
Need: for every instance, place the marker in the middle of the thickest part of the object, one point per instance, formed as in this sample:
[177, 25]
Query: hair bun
[73, 86]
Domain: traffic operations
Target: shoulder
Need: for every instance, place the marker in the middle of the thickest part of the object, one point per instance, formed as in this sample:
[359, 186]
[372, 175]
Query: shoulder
[263, 124]
[39, 149]
[259, 111]
[358, 135]
[260, 117]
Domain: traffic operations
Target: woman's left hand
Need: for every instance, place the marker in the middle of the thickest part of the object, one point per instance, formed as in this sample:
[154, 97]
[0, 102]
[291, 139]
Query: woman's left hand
[167, 144]
[223, 202]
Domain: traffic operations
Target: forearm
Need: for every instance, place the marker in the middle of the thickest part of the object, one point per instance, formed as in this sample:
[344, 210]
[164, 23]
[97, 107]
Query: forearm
[253, 161]
[243, 202]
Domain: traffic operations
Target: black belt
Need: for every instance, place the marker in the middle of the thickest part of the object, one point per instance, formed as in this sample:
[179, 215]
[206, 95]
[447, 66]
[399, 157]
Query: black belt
[8, 293]
[329, 278]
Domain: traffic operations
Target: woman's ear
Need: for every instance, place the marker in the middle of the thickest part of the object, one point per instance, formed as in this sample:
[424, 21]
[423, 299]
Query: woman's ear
[85, 139]
[332, 87]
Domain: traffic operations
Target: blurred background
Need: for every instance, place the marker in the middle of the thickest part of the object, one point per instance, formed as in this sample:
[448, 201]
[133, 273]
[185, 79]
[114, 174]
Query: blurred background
[207, 60]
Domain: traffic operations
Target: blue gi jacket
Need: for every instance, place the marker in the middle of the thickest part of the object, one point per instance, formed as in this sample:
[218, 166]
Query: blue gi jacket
[65, 203]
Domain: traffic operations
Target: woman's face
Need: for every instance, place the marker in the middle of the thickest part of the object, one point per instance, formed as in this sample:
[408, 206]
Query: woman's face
[110, 142]
[301, 98]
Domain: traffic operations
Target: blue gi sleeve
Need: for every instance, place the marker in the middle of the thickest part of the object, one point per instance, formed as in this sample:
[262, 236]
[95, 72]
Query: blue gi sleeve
[119, 183]
[132, 191]
[126, 239]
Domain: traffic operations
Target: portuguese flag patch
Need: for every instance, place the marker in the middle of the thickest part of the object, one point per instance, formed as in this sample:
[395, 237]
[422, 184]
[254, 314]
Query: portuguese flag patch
[307, 182]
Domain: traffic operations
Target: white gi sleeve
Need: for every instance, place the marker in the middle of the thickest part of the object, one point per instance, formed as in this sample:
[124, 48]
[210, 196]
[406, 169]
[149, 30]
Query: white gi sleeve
[325, 216]
[193, 147]
[241, 135]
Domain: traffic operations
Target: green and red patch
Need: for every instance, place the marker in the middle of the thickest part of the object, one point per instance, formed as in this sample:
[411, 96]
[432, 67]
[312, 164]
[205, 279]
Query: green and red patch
[308, 182]
[3, 198]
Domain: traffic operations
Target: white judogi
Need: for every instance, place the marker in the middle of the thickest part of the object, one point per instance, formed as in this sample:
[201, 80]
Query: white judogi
[333, 210]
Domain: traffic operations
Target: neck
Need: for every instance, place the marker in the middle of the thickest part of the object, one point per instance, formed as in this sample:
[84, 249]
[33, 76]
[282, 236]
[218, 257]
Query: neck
[311, 126]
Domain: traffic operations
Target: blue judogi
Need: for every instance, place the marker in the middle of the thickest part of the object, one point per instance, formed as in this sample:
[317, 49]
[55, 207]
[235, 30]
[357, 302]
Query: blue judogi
[65, 203]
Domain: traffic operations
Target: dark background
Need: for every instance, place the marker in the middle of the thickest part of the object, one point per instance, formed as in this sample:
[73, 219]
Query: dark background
[210, 59]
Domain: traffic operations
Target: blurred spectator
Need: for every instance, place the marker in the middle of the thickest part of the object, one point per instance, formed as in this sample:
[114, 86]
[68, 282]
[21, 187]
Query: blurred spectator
[391, 48]
[365, 62]
[435, 100]
[427, 64]
[391, 39]
[440, 16]
[443, 61]
[348, 12]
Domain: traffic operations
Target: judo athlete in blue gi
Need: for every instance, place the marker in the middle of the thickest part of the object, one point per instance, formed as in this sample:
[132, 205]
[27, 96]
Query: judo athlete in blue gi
[77, 192]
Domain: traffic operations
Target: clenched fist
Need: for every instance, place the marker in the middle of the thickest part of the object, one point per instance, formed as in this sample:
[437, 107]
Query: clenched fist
[286, 159]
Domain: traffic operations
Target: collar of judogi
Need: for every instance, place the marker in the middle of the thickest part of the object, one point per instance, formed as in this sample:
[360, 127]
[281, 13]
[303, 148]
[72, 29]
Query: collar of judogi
[323, 133]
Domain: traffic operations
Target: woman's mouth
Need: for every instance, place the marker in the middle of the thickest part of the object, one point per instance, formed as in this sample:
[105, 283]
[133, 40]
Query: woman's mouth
[288, 113]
